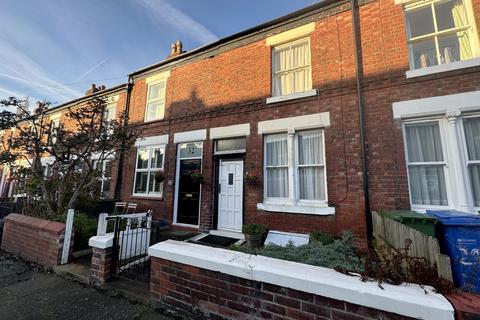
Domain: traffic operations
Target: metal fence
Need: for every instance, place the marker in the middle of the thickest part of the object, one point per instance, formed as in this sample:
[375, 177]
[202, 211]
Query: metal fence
[130, 246]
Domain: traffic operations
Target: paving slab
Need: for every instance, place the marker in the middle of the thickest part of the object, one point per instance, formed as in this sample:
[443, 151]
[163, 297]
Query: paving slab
[29, 292]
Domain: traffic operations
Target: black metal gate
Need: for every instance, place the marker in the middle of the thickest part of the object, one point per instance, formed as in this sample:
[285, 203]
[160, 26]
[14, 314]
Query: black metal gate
[130, 246]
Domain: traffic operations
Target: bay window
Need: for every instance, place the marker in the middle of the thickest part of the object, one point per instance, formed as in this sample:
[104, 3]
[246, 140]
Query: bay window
[440, 32]
[291, 68]
[149, 165]
[155, 107]
[295, 172]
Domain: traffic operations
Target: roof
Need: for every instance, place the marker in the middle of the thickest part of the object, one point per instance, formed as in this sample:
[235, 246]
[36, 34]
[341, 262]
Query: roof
[87, 97]
[320, 6]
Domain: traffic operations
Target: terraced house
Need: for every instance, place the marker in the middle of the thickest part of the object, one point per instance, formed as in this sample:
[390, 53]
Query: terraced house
[313, 120]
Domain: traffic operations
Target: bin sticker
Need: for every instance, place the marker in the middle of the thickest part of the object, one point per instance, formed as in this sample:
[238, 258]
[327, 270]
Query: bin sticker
[470, 253]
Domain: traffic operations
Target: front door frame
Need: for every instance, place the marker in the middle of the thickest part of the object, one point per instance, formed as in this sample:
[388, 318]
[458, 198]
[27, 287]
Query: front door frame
[177, 183]
[216, 160]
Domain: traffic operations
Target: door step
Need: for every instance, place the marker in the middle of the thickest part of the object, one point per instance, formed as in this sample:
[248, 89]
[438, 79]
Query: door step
[228, 234]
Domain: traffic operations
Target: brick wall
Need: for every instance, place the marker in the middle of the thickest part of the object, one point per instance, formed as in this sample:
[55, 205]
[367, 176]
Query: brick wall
[213, 295]
[231, 86]
[37, 240]
[101, 265]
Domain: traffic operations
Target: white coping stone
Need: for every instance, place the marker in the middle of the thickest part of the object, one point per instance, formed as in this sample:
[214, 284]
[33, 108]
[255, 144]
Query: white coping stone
[310, 121]
[101, 242]
[190, 136]
[407, 299]
[151, 141]
[438, 105]
[236, 130]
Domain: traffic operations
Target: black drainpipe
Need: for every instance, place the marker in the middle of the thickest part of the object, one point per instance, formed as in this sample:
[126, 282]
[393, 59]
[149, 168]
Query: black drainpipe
[121, 159]
[358, 75]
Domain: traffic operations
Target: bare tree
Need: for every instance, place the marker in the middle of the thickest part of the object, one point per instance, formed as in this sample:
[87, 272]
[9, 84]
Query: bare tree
[83, 138]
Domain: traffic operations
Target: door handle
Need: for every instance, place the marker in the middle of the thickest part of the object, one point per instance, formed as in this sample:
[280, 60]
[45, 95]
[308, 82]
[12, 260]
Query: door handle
[219, 188]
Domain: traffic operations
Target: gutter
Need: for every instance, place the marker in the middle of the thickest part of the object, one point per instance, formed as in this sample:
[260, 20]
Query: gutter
[121, 159]
[359, 75]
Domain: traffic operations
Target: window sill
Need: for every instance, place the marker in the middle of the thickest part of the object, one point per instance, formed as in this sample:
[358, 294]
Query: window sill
[309, 93]
[297, 208]
[443, 68]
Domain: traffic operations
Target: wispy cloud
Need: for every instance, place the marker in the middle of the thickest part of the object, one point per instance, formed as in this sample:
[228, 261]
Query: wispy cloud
[19, 67]
[162, 12]
[91, 69]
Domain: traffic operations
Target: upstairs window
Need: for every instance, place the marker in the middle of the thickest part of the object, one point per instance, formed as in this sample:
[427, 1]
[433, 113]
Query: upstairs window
[155, 108]
[54, 125]
[439, 32]
[291, 68]
[105, 167]
[109, 112]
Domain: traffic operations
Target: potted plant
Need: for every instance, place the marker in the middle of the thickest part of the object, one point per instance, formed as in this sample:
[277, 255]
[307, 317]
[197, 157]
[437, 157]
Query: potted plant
[160, 176]
[254, 234]
[251, 175]
[197, 177]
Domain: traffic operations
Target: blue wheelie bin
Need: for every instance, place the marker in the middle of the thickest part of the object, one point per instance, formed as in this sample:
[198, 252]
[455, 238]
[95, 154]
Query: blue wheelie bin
[459, 236]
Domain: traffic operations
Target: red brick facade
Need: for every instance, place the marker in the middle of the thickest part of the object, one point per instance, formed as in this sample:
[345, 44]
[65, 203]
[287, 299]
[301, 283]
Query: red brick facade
[37, 240]
[223, 87]
[213, 295]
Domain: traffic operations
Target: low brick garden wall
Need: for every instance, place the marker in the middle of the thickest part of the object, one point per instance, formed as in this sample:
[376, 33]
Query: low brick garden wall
[213, 295]
[34, 239]
[212, 283]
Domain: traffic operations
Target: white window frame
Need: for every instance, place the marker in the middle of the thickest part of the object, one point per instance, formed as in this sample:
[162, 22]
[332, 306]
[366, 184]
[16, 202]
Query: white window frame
[470, 28]
[158, 99]
[293, 203]
[148, 170]
[444, 163]
[54, 125]
[298, 166]
[265, 166]
[467, 161]
[275, 73]
[103, 178]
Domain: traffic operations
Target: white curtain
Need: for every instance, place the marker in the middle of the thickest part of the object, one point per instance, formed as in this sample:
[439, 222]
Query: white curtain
[472, 137]
[276, 165]
[427, 182]
[310, 160]
[424, 143]
[287, 60]
[460, 19]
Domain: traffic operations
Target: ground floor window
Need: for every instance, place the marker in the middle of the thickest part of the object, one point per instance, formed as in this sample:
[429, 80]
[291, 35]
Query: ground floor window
[426, 165]
[148, 171]
[294, 167]
[105, 180]
[443, 162]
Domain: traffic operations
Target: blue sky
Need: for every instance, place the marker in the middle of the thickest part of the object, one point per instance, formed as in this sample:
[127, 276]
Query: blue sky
[52, 50]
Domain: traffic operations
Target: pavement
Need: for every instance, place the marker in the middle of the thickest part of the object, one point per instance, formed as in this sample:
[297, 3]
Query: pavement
[28, 291]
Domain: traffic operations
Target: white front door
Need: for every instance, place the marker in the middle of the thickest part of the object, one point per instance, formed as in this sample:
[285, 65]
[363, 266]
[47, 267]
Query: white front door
[230, 195]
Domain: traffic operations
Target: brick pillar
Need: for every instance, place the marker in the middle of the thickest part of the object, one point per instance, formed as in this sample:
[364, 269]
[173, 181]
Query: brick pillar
[101, 265]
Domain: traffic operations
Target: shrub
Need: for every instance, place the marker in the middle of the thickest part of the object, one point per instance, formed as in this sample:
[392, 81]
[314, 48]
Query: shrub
[322, 237]
[388, 265]
[340, 254]
[84, 226]
[254, 229]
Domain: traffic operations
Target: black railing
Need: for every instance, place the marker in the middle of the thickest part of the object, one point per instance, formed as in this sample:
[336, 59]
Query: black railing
[131, 240]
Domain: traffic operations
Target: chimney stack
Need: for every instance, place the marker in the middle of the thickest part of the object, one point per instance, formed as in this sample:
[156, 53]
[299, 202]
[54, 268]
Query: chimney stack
[176, 49]
[94, 89]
